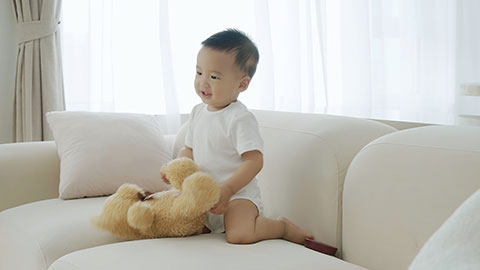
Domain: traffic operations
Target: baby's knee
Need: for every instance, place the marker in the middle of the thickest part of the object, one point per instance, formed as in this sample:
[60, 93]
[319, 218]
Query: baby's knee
[240, 237]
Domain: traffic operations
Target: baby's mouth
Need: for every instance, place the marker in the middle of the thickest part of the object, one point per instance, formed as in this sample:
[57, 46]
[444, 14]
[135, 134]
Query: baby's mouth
[205, 94]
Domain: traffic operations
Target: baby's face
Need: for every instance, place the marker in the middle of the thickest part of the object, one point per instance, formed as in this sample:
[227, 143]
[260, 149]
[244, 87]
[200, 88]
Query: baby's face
[219, 80]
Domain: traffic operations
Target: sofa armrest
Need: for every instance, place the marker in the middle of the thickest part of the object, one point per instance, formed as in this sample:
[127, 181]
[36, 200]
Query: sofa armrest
[28, 172]
[400, 188]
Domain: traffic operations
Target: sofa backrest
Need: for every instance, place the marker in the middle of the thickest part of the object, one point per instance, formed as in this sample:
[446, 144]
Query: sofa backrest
[401, 187]
[305, 161]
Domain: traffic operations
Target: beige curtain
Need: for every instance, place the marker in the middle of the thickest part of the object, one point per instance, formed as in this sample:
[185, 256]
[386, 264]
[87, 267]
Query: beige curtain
[39, 79]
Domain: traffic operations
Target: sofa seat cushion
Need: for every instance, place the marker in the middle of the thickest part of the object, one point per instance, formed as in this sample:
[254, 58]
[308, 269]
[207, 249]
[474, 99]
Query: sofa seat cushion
[34, 235]
[208, 251]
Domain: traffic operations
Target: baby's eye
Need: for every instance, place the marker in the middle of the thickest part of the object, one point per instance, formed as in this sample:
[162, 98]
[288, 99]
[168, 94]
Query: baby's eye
[199, 73]
[214, 77]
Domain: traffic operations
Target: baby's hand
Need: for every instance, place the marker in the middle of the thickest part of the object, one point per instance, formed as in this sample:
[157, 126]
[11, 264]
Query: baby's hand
[164, 176]
[225, 194]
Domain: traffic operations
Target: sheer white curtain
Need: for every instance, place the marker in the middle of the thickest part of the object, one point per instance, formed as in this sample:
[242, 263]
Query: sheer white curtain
[118, 58]
[387, 59]
[391, 59]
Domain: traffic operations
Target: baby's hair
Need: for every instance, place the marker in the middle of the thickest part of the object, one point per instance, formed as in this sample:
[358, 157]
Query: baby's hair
[233, 40]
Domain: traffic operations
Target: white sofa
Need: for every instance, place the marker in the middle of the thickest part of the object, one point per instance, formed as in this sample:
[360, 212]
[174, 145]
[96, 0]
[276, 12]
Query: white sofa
[400, 187]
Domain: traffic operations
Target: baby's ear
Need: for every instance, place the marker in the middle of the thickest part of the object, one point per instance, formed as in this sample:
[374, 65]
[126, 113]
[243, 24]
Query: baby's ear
[244, 83]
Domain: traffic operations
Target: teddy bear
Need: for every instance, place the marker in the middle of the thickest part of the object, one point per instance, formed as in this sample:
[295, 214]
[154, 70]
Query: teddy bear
[132, 213]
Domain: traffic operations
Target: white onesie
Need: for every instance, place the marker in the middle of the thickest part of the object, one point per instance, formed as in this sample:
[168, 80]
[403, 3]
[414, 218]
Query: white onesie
[218, 139]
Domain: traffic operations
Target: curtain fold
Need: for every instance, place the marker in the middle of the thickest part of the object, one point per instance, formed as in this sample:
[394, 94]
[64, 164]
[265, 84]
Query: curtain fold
[39, 80]
[172, 115]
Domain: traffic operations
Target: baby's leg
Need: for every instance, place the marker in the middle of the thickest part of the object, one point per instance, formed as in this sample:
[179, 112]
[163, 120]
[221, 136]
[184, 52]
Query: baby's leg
[243, 225]
[294, 233]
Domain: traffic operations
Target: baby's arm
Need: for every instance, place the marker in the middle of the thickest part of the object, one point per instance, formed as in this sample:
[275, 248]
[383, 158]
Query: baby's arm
[185, 152]
[251, 166]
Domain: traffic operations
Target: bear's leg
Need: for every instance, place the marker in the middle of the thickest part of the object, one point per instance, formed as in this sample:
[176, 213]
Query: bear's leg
[140, 215]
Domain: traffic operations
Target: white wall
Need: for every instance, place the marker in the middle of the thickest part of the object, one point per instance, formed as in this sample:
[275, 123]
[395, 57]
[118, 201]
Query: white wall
[8, 51]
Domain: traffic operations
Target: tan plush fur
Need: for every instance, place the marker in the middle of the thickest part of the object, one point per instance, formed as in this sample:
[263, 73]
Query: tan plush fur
[179, 211]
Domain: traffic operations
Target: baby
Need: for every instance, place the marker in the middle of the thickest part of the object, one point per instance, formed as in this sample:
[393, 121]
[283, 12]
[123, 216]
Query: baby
[223, 139]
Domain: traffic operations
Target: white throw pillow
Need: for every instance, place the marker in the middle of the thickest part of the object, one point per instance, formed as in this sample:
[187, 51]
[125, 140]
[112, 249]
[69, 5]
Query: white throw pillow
[456, 244]
[101, 151]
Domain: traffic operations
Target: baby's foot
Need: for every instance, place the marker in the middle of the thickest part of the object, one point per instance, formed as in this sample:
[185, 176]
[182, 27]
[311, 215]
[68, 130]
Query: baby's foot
[293, 233]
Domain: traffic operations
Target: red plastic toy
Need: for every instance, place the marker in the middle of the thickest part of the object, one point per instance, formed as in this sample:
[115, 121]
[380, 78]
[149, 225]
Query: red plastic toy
[320, 247]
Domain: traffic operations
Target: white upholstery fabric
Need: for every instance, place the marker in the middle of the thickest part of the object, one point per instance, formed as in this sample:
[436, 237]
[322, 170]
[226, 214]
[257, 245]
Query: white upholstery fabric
[306, 157]
[33, 170]
[170, 141]
[28, 172]
[456, 245]
[305, 161]
[101, 151]
[203, 252]
[34, 235]
[179, 141]
[400, 188]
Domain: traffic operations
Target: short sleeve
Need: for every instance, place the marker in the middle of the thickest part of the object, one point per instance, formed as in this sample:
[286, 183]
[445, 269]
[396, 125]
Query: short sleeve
[245, 134]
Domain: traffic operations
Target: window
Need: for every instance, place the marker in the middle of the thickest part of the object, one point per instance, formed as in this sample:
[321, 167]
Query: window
[395, 59]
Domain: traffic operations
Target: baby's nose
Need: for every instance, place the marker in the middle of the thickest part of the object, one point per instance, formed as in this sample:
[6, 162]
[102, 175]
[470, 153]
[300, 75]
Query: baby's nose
[205, 84]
